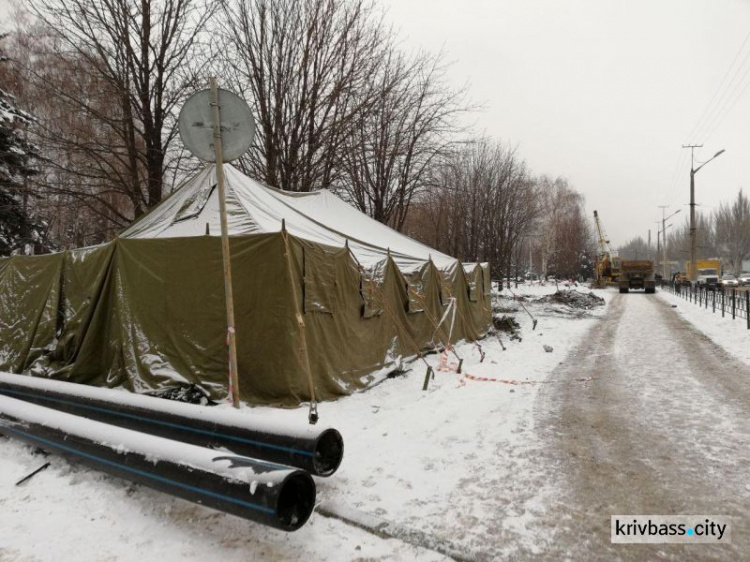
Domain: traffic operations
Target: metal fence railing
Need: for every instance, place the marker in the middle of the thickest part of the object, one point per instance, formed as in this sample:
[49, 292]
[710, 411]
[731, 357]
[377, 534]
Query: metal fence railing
[733, 303]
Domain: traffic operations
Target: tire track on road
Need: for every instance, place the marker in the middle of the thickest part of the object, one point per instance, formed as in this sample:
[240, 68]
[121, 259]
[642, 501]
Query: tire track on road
[642, 438]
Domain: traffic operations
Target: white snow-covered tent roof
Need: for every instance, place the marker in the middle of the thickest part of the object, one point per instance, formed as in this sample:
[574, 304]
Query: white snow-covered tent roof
[253, 208]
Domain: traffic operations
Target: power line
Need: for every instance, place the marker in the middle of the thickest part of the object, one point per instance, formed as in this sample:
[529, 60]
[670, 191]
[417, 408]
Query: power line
[710, 108]
[729, 91]
[729, 109]
[673, 184]
[720, 111]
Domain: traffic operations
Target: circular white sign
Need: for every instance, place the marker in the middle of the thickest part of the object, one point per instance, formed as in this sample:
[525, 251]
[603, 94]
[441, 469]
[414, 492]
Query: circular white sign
[197, 131]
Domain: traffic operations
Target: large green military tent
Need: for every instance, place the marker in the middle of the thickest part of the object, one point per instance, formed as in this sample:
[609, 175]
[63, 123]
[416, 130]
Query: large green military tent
[322, 293]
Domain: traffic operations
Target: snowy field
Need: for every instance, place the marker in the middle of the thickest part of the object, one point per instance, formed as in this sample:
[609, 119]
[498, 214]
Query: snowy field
[732, 335]
[450, 470]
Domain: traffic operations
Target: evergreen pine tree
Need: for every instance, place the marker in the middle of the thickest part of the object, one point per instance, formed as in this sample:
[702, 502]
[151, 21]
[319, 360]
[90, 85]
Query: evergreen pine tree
[17, 225]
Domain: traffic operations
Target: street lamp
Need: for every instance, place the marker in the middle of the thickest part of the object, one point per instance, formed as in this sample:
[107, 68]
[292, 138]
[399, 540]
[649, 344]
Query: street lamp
[664, 246]
[663, 233]
[694, 171]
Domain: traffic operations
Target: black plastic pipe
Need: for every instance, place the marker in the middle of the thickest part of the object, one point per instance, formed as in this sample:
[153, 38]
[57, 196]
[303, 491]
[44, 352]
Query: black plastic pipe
[273, 495]
[316, 450]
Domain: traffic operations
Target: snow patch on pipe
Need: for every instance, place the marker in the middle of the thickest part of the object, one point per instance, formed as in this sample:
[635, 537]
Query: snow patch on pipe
[125, 440]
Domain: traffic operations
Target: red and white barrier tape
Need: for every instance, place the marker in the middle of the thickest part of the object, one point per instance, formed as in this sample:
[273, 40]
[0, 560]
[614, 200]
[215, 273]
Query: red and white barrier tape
[585, 381]
[444, 366]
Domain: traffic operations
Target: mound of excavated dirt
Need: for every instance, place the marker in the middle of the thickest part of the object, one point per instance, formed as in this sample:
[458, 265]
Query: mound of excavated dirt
[506, 323]
[574, 299]
[500, 309]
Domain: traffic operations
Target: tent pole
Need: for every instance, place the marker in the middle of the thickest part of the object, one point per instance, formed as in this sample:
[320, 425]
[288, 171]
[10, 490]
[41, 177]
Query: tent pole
[234, 386]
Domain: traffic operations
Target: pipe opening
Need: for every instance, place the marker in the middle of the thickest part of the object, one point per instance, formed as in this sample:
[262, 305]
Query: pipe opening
[329, 451]
[296, 500]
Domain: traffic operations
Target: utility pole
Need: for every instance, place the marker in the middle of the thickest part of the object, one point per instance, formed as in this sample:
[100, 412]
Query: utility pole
[649, 244]
[664, 245]
[693, 171]
[664, 227]
[692, 148]
[657, 245]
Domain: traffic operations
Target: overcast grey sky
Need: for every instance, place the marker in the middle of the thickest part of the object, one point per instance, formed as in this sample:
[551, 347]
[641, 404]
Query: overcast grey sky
[604, 92]
[4, 12]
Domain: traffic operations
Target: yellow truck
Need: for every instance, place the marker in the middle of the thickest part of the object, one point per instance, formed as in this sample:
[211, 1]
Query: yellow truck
[708, 272]
[637, 274]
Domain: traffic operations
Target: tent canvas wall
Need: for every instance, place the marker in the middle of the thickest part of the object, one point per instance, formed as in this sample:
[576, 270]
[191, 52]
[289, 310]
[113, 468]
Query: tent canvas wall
[147, 309]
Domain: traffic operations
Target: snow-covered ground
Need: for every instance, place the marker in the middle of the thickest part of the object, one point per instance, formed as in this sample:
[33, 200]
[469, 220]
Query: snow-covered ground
[732, 335]
[454, 463]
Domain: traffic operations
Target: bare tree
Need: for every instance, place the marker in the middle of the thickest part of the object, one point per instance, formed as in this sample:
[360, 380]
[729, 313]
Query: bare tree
[115, 70]
[574, 241]
[565, 234]
[678, 240]
[481, 206]
[305, 64]
[555, 197]
[514, 215]
[84, 202]
[407, 129]
[634, 249]
[732, 231]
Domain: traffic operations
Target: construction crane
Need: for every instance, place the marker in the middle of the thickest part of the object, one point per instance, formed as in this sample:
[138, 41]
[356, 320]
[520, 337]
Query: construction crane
[607, 262]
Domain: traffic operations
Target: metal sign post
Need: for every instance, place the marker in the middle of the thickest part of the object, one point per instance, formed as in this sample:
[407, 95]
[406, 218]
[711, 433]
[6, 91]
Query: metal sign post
[234, 385]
